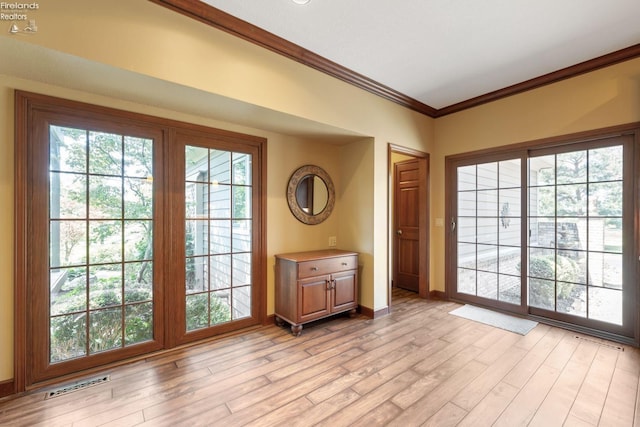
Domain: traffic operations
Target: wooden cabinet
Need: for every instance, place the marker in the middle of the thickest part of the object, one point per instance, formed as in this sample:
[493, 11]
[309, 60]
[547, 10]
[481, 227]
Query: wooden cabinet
[316, 284]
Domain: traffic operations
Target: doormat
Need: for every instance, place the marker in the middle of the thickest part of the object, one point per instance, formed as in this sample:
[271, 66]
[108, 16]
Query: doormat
[493, 318]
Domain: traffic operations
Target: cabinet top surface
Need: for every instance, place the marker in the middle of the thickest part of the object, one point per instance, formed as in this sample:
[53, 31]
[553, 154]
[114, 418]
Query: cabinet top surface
[311, 255]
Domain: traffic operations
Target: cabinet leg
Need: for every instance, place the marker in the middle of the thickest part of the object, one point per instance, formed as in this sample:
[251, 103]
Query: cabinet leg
[353, 313]
[296, 330]
[279, 321]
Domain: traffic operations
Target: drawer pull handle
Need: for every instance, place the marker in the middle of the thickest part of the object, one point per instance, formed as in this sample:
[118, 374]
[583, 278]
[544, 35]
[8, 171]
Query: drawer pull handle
[314, 268]
[345, 264]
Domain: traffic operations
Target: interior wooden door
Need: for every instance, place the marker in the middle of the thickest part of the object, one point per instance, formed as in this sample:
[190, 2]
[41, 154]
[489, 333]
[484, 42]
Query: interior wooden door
[407, 224]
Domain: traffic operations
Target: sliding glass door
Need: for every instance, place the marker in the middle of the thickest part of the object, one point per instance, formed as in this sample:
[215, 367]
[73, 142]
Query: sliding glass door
[488, 228]
[577, 222]
[549, 232]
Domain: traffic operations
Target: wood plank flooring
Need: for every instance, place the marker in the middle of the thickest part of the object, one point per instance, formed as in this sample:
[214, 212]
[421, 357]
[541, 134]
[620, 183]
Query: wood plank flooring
[419, 366]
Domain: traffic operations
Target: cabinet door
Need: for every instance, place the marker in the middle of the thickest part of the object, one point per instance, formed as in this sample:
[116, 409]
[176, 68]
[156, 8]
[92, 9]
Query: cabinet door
[345, 291]
[313, 298]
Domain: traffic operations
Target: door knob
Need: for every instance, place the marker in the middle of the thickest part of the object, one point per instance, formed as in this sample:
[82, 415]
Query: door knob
[399, 232]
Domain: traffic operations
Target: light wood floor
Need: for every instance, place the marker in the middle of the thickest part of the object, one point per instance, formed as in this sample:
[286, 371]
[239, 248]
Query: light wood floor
[417, 366]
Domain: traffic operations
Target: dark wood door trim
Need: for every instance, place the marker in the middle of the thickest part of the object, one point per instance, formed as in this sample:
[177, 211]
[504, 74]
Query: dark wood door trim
[179, 139]
[27, 106]
[563, 143]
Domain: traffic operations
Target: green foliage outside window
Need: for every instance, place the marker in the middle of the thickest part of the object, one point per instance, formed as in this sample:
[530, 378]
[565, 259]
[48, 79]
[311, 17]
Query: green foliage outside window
[108, 177]
[199, 315]
[564, 270]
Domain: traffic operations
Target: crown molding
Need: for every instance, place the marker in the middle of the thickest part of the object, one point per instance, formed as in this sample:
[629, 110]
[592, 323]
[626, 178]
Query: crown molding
[553, 77]
[216, 18]
[223, 21]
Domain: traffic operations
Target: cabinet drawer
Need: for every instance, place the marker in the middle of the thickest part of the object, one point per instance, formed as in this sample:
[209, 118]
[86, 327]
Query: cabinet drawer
[326, 266]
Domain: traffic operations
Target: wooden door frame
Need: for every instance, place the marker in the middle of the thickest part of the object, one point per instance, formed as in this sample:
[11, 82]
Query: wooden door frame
[26, 104]
[423, 249]
[203, 137]
[632, 129]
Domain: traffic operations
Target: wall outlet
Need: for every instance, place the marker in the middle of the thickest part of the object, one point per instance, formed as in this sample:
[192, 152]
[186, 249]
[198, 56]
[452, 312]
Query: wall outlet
[333, 242]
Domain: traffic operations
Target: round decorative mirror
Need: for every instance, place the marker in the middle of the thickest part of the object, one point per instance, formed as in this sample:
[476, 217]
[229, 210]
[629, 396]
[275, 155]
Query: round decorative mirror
[310, 194]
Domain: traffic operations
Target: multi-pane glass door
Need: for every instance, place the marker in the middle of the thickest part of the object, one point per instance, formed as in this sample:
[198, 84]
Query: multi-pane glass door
[576, 226]
[218, 237]
[549, 233]
[216, 255]
[488, 224]
[98, 297]
[101, 242]
[133, 234]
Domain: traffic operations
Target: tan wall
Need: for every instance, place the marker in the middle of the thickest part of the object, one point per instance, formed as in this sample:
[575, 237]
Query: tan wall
[356, 230]
[151, 43]
[606, 97]
[135, 45]
[284, 155]
[151, 40]
[6, 230]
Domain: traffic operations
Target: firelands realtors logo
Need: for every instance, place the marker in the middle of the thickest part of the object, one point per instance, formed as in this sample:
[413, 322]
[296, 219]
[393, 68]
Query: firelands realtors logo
[19, 16]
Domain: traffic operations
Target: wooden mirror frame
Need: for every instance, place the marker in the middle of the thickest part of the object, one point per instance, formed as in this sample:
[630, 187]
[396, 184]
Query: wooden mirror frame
[295, 208]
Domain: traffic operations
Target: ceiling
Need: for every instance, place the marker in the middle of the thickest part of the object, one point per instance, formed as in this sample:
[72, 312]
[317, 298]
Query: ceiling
[444, 52]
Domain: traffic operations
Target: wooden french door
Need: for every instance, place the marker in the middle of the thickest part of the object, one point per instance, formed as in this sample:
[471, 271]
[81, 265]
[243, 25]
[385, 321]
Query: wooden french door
[95, 210]
[216, 184]
[548, 231]
[138, 234]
